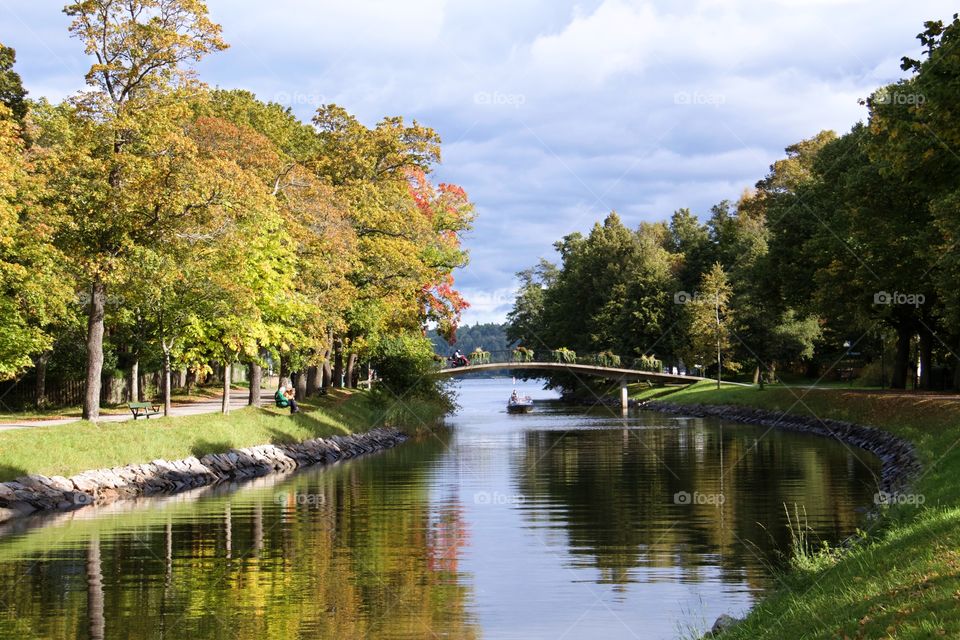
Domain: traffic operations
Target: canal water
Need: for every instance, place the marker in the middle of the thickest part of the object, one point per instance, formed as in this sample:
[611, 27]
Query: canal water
[563, 523]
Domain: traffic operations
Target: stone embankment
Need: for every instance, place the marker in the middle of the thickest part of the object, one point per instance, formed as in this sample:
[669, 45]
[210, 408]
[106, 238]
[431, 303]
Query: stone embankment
[898, 459]
[37, 493]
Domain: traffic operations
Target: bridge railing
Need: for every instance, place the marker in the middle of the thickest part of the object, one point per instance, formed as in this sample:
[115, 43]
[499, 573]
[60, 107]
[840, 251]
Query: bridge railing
[522, 355]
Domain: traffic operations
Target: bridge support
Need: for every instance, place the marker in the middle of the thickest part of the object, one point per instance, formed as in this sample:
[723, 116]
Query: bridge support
[624, 398]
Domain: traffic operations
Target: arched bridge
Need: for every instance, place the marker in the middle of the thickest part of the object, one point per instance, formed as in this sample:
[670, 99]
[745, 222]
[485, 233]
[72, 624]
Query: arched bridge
[601, 365]
[611, 373]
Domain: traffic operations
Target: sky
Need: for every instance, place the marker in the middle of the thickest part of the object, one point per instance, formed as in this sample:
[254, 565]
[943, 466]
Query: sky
[553, 113]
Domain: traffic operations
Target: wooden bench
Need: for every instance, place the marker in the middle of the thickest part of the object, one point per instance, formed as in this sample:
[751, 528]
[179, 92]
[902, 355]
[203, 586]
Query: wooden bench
[145, 409]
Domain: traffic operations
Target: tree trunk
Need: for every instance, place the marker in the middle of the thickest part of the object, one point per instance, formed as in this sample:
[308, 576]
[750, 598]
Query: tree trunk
[133, 392]
[41, 365]
[901, 360]
[166, 381]
[327, 370]
[300, 386]
[351, 370]
[255, 376]
[91, 401]
[257, 528]
[337, 363]
[926, 358]
[284, 367]
[756, 374]
[95, 617]
[225, 404]
[313, 380]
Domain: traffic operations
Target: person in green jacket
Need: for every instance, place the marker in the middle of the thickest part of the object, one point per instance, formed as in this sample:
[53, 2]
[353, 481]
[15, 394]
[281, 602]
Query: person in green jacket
[284, 397]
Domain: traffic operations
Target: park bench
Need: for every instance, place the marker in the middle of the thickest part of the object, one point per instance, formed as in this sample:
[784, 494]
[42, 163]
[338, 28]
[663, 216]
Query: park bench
[145, 409]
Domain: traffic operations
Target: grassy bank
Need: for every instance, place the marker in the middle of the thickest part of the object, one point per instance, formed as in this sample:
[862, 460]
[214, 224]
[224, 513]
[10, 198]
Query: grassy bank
[903, 579]
[71, 448]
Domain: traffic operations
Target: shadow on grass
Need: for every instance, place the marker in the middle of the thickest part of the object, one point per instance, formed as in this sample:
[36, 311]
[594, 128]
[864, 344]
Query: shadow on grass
[307, 422]
[8, 472]
[203, 447]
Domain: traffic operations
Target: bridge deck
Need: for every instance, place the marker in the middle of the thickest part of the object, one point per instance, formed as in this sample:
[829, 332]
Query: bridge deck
[612, 373]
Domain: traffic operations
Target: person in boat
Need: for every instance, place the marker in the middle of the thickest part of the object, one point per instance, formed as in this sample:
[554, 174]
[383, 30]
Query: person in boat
[514, 397]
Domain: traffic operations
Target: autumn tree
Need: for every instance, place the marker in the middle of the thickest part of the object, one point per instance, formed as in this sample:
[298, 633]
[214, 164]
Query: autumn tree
[129, 141]
[710, 323]
[315, 222]
[407, 230]
[33, 292]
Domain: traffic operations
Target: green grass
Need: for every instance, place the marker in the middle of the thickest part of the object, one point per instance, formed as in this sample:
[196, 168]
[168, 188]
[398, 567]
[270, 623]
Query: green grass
[71, 448]
[903, 579]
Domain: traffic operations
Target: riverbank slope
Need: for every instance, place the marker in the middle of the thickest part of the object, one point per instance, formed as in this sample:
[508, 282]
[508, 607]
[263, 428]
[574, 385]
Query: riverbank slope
[68, 449]
[902, 578]
[109, 461]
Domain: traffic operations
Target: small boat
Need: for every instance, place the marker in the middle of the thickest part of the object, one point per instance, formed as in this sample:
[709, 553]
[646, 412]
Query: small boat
[519, 404]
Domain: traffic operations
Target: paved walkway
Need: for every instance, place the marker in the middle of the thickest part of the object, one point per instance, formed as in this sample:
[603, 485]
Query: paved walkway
[238, 400]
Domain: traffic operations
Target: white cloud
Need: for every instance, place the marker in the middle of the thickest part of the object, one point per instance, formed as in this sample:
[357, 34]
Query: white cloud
[553, 111]
[615, 38]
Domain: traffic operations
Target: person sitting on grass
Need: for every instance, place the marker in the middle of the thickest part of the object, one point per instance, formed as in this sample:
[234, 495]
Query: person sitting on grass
[284, 397]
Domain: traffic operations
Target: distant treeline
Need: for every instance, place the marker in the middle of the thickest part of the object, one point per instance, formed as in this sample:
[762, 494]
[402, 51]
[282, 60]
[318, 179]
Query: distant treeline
[842, 261]
[488, 336]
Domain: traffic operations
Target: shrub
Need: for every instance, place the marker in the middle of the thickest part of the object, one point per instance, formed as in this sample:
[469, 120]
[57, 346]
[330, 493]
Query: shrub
[404, 364]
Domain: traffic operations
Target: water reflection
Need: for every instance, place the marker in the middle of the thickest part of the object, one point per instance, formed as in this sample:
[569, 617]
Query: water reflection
[688, 498]
[558, 522]
[335, 554]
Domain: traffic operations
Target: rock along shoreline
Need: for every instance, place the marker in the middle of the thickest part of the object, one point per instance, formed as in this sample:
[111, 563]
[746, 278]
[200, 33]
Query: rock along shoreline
[41, 494]
[898, 458]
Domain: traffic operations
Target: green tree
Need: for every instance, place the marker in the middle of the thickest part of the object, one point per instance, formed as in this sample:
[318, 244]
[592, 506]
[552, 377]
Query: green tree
[12, 93]
[915, 129]
[525, 320]
[871, 241]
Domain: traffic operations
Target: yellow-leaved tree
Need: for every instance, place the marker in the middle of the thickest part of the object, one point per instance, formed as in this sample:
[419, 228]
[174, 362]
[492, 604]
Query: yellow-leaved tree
[127, 177]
